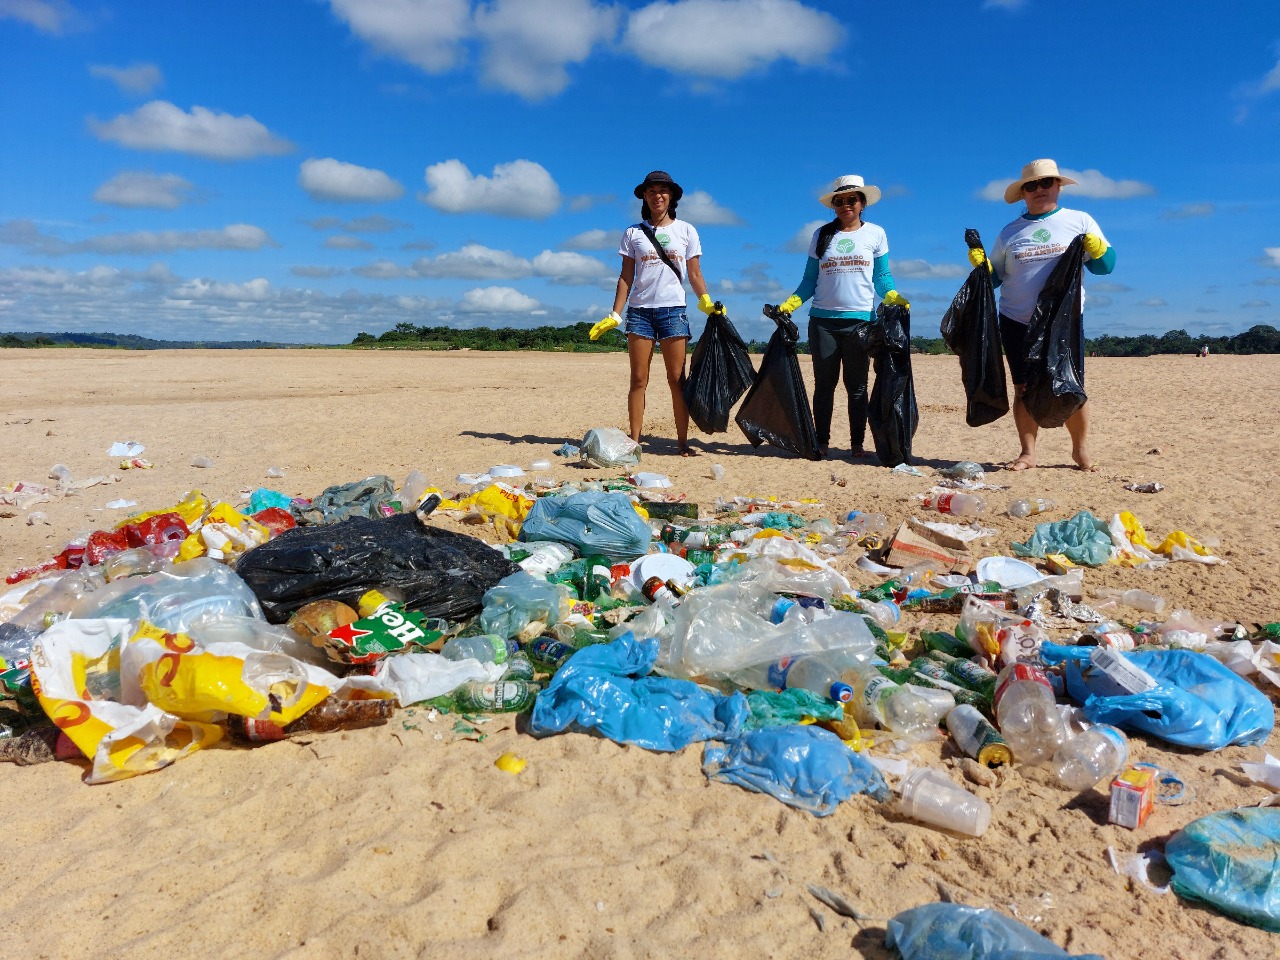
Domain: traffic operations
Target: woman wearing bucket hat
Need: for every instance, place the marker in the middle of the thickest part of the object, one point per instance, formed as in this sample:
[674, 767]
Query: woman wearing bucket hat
[848, 266]
[1024, 255]
[657, 254]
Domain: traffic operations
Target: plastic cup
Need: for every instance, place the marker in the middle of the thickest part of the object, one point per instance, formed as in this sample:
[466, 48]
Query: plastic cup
[928, 796]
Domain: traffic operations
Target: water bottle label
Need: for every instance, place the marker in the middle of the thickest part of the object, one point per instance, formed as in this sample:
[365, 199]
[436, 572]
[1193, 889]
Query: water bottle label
[778, 672]
[876, 689]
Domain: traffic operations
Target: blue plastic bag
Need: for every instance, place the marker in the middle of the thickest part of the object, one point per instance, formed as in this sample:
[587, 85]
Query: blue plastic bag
[1199, 702]
[517, 600]
[953, 931]
[591, 522]
[262, 499]
[606, 688]
[1231, 861]
[805, 767]
[1083, 539]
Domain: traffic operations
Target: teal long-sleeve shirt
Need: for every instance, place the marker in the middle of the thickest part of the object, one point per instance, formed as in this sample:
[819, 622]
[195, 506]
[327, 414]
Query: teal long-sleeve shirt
[881, 279]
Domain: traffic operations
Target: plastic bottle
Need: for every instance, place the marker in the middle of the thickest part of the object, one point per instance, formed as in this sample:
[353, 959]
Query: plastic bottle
[957, 504]
[885, 613]
[1027, 713]
[1029, 508]
[486, 647]
[974, 734]
[880, 700]
[1142, 600]
[928, 796]
[411, 491]
[1097, 754]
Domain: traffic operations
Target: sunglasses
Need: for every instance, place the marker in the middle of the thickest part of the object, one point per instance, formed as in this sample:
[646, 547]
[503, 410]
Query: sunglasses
[1031, 186]
[847, 201]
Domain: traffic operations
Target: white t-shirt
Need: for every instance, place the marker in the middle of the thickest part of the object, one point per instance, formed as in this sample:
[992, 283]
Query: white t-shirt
[655, 285]
[845, 269]
[1027, 251]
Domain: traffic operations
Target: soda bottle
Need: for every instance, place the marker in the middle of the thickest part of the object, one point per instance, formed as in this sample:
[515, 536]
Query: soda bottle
[957, 504]
[974, 734]
[1090, 757]
[486, 647]
[1029, 508]
[1027, 713]
[500, 696]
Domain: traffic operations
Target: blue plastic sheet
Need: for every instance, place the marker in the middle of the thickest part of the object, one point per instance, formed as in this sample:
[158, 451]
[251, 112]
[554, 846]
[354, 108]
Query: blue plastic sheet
[1199, 702]
[606, 688]
[1231, 860]
[805, 767]
[953, 931]
[1083, 539]
[591, 522]
[263, 498]
[362, 498]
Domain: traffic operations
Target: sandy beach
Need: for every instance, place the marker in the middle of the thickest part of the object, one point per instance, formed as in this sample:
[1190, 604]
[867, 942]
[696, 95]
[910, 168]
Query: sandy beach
[406, 841]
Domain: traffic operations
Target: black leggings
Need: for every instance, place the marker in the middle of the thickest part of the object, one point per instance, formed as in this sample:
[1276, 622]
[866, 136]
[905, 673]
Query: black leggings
[833, 342]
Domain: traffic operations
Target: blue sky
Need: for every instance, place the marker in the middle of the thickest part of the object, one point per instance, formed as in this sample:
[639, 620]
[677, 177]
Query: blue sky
[302, 170]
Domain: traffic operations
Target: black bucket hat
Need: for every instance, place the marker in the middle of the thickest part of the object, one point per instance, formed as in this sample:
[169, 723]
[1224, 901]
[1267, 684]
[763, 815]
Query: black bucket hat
[659, 176]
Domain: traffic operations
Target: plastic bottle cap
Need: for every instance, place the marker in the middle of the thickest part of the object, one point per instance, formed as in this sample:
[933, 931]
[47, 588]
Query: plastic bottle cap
[841, 692]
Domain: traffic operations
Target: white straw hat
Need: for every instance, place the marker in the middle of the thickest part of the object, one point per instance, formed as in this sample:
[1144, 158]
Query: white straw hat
[850, 184]
[1035, 170]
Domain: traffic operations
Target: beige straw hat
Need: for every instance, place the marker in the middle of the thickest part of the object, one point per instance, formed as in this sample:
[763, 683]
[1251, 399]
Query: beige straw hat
[850, 184]
[1035, 170]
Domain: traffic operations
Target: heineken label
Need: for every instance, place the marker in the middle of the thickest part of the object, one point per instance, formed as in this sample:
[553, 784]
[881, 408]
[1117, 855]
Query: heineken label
[392, 629]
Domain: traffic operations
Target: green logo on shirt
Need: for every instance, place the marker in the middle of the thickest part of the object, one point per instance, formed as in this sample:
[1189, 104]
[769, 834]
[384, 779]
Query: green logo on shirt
[1041, 236]
[845, 245]
[664, 240]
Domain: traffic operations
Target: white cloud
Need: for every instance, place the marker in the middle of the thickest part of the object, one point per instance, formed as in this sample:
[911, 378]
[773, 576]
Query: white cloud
[591, 240]
[318, 273]
[426, 33]
[1254, 304]
[699, 208]
[924, 270]
[137, 78]
[496, 300]
[474, 262]
[1273, 255]
[48, 16]
[381, 270]
[1106, 286]
[570, 268]
[1152, 302]
[520, 188]
[137, 188]
[331, 179]
[252, 291]
[755, 281]
[237, 236]
[159, 125]
[799, 242]
[1091, 183]
[728, 38]
[347, 243]
[585, 201]
[1188, 211]
[529, 42]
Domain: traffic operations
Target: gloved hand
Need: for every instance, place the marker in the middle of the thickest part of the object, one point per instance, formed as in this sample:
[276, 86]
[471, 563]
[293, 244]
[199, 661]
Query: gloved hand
[977, 256]
[706, 305]
[894, 299]
[1094, 246]
[605, 325]
[790, 305]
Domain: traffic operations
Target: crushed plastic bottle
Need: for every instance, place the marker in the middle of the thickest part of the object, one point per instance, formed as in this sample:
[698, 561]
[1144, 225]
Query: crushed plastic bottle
[1030, 507]
[1097, 754]
[1027, 714]
[956, 504]
[1138, 599]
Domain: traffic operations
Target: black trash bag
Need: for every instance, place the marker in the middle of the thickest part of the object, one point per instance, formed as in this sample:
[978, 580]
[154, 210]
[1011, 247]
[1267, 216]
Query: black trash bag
[892, 414]
[1055, 339]
[971, 328]
[777, 409]
[719, 374]
[440, 574]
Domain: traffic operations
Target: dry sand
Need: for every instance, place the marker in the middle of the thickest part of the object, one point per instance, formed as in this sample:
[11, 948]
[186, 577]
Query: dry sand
[401, 841]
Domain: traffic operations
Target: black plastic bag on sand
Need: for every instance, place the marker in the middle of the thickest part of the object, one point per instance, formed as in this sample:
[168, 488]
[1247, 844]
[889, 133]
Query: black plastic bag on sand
[971, 328]
[440, 574]
[892, 414]
[1055, 337]
[777, 410]
[719, 374]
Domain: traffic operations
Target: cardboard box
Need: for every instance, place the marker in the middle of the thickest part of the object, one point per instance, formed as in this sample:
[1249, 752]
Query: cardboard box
[1132, 794]
[915, 543]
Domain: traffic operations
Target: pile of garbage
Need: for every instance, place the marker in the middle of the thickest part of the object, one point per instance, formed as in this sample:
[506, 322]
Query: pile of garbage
[620, 608]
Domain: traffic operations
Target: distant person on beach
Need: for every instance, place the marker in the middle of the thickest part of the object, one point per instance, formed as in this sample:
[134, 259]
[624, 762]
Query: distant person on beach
[848, 267]
[657, 254]
[1024, 255]
[1204, 351]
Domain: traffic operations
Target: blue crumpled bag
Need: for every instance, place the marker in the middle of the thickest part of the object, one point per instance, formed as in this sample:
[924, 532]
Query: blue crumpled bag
[953, 931]
[517, 600]
[263, 499]
[781, 708]
[606, 688]
[805, 767]
[1199, 702]
[1083, 539]
[591, 522]
[1231, 861]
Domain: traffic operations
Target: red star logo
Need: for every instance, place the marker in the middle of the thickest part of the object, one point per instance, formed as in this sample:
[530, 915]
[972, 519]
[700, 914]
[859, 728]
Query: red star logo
[349, 634]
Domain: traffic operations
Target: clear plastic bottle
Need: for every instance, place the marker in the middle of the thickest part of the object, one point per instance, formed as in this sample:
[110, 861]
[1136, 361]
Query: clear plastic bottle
[1030, 507]
[928, 796]
[1097, 754]
[885, 613]
[411, 491]
[486, 647]
[1027, 713]
[878, 700]
[822, 674]
[859, 525]
[957, 504]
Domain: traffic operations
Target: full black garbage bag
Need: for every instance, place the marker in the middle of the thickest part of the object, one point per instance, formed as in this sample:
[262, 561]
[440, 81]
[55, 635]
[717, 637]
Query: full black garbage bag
[777, 409]
[1055, 338]
[971, 328]
[719, 374]
[892, 414]
[441, 574]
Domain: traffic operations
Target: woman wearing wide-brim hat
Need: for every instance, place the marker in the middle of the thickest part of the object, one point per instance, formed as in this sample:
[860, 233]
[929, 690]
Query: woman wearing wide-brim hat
[657, 254]
[848, 267]
[1024, 255]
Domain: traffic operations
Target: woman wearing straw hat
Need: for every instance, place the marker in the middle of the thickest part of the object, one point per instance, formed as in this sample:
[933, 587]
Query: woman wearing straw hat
[1024, 255]
[657, 253]
[848, 266]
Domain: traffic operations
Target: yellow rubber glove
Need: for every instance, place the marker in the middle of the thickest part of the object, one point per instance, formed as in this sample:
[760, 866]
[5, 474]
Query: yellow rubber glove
[706, 305]
[977, 257]
[790, 305]
[1094, 246]
[605, 325]
[894, 299]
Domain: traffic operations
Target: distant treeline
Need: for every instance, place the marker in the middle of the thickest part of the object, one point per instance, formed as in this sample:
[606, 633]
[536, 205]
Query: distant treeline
[129, 341]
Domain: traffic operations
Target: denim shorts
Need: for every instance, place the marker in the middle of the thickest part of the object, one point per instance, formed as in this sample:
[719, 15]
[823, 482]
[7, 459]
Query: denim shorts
[657, 323]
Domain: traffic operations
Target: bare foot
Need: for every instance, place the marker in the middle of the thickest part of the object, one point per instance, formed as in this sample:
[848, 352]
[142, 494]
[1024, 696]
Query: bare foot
[1083, 461]
[688, 451]
[858, 454]
[1022, 463]
[1088, 466]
